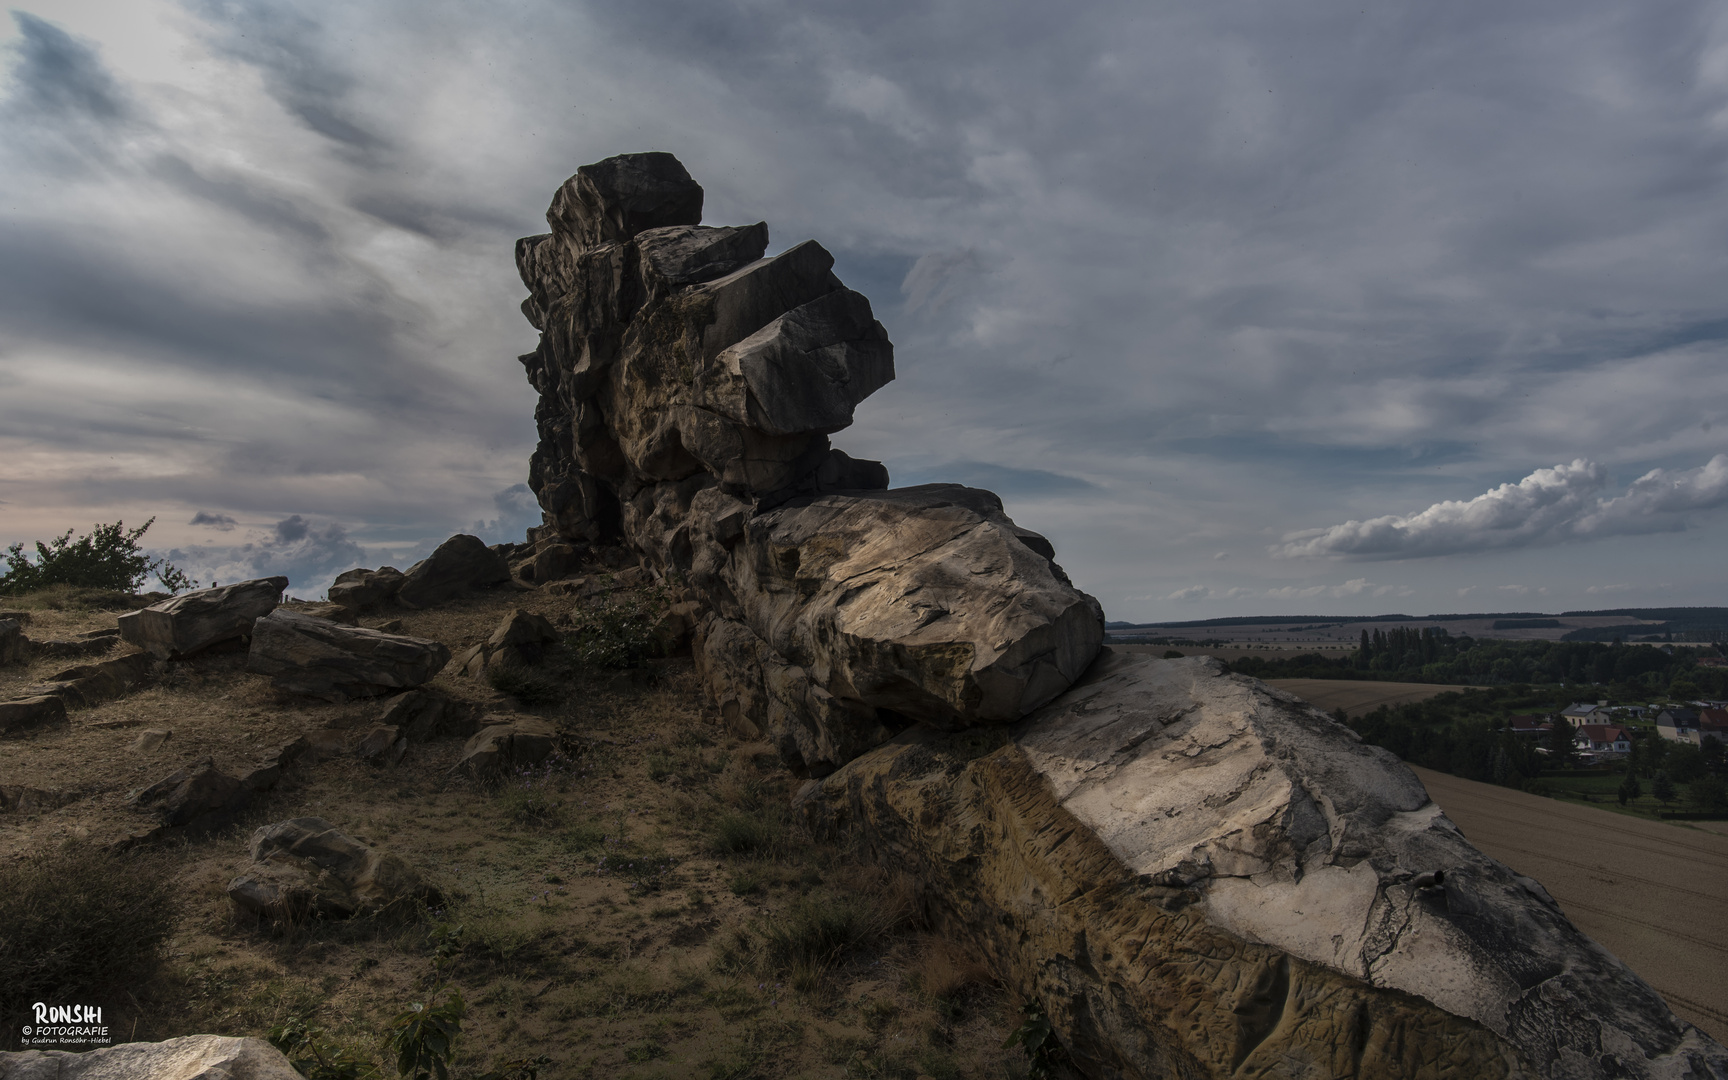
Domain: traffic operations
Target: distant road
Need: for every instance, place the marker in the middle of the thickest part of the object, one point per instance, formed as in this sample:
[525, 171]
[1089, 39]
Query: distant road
[1654, 894]
[1358, 696]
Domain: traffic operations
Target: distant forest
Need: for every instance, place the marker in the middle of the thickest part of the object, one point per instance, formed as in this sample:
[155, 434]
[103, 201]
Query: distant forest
[1429, 654]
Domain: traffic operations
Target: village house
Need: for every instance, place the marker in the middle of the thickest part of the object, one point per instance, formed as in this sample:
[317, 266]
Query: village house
[1713, 724]
[1677, 725]
[1603, 740]
[1528, 724]
[1581, 713]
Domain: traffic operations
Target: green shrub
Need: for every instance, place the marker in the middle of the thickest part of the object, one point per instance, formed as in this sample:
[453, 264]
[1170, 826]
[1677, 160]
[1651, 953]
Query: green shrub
[619, 635]
[105, 558]
[76, 921]
[526, 801]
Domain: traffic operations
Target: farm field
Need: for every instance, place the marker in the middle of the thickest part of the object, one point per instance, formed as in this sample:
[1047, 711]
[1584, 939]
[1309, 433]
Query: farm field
[1358, 696]
[1654, 894]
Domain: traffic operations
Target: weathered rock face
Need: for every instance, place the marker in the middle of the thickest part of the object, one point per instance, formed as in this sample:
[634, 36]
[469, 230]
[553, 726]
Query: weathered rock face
[88, 684]
[197, 620]
[319, 658]
[504, 743]
[14, 646]
[460, 563]
[195, 799]
[304, 868]
[688, 386]
[29, 713]
[1200, 876]
[190, 1057]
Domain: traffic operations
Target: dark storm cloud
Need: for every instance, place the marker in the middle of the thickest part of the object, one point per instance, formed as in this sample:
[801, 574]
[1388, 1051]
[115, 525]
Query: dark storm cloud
[60, 78]
[221, 522]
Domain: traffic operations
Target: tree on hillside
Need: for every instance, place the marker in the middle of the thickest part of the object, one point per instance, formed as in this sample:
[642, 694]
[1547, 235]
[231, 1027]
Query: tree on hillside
[105, 558]
[1663, 789]
[1561, 752]
[1630, 789]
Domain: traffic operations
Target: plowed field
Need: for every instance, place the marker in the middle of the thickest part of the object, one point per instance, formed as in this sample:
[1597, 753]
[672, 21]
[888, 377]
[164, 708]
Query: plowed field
[1654, 894]
[1358, 696]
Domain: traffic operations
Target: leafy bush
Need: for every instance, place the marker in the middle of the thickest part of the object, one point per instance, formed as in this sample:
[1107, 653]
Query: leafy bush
[76, 921]
[619, 635]
[105, 558]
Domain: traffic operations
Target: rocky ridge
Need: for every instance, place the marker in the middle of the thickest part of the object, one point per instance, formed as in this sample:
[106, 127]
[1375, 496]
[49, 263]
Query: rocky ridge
[1196, 875]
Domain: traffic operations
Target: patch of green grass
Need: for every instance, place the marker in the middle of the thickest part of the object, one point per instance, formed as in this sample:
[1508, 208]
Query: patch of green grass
[817, 929]
[529, 803]
[744, 883]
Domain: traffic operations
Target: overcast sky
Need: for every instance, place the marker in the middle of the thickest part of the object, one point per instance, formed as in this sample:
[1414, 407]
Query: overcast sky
[1251, 307]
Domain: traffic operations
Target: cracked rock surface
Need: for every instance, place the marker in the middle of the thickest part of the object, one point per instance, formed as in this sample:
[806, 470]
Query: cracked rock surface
[688, 385]
[1202, 876]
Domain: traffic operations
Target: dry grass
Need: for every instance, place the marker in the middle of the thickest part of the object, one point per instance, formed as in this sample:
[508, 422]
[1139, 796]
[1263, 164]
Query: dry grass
[598, 905]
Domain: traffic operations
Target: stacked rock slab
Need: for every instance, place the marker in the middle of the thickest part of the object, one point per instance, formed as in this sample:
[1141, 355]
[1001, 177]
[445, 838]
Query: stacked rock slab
[688, 386]
[1199, 876]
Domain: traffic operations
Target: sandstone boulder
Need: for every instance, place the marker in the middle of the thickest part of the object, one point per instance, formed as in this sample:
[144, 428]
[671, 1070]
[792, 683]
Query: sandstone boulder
[93, 643]
[521, 639]
[304, 868]
[423, 715]
[194, 799]
[383, 744]
[14, 646]
[18, 799]
[360, 590]
[319, 658]
[29, 713]
[1199, 876]
[90, 684]
[460, 563]
[197, 620]
[190, 1057]
[504, 744]
[878, 609]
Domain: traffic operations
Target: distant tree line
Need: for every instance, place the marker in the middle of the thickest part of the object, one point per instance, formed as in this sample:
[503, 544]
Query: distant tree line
[1431, 655]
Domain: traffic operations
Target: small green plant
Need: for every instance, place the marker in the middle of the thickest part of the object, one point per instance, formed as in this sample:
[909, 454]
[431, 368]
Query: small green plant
[646, 869]
[107, 557]
[619, 635]
[817, 930]
[523, 799]
[316, 1056]
[744, 883]
[423, 1039]
[1037, 1039]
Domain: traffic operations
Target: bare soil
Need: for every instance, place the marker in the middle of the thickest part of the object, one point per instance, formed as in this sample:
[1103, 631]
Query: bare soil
[602, 925]
[1358, 696]
[1655, 894]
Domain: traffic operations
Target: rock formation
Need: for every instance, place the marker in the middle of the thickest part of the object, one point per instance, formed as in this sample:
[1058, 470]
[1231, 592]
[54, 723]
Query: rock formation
[688, 386]
[320, 658]
[190, 1057]
[194, 621]
[304, 868]
[1201, 876]
[1195, 875]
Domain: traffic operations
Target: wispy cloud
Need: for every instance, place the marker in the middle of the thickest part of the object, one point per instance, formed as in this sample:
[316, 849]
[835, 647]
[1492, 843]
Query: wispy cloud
[1548, 506]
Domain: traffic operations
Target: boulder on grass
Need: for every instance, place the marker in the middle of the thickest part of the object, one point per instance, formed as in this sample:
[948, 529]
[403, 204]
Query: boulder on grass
[190, 1057]
[322, 659]
[460, 563]
[195, 799]
[26, 714]
[94, 643]
[197, 620]
[364, 590]
[14, 646]
[384, 744]
[423, 715]
[304, 868]
[88, 684]
[506, 744]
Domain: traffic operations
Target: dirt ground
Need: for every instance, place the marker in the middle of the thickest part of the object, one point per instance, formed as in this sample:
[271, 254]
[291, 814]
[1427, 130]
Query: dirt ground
[651, 964]
[1358, 696]
[1655, 894]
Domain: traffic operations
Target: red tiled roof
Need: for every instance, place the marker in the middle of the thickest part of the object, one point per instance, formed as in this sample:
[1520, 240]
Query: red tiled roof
[1603, 733]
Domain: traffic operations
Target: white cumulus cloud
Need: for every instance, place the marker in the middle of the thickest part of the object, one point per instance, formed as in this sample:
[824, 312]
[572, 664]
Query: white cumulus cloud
[1548, 506]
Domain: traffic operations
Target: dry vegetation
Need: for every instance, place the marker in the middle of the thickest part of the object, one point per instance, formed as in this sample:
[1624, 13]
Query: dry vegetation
[645, 906]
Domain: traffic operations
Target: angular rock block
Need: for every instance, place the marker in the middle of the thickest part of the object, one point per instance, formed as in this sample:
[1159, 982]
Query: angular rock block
[423, 715]
[27, 714]
[383, 744]
[14, 646]
[876, 610]
[89, 684]
[195, 799]
[460, 563]
[1200, 876]
[94, 643]
[304, 868]
[197, 620]
[506, 743]
[190, 1057]
[362, 590]
[26, 800]
[319, 658]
